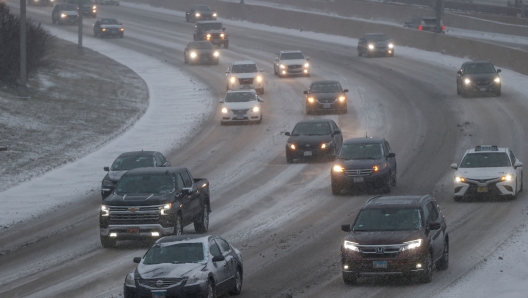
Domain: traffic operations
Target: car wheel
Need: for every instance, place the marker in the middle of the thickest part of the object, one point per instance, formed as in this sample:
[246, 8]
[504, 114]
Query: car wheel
[443, 263]
[185, 59]
[359, 52]
[388, 183]
[226, 45]
[336, 188]
[178, 226]
[350, 278]
[187, 19]
[514, 195]
[275, 71]
[53, 21]
[308, 111]
[210, 288]
[521, 189]
[238, 284]
[498, 92]
[202, 225]
[289, 159]
[427, 275]
[194, 36]
[457, 198]
[458, 89]
[108, 242]
[394, 179]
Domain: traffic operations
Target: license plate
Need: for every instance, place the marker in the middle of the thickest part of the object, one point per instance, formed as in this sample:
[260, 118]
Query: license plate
[307, 153]
[240, 117]
[358, 179]
[133, 230]
[326, 106]
[379, 264]
[483, 89]
[482, 189]
[159, 294]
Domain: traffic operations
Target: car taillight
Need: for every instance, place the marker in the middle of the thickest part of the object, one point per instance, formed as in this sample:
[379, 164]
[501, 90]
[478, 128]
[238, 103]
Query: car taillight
[443, 28]
[420, 27]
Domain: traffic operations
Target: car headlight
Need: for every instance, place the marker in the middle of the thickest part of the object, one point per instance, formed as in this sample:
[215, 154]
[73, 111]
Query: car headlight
[193, 55]
[222, 35]
[108, 183]
[506, 178]
[216, 54]
[497, 80]
[214, 14]
[311, 100]
[94, 8]
[232, 80]
[342, 98]
[255, 109]
[326, 145]
[291, 146]
[224, 110]
[467, 81]
[63, 15]
[208, 35]
[104, 29]
[371, 47]
[391, 46]
[282, 66]
[306, 65]
[165, 209]
[338, 169]
[129, 281]
[376, 168]
[460, 179]
[259, 79]
[105, 210]
[353, 246]
[197, 15]
[411, 244]
[195, 278]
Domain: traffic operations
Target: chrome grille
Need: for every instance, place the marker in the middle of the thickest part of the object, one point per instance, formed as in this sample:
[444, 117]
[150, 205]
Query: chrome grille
[358, 172]
[240, 111]
[126, 208]
[134, 217]
[160, 282]
[327, 100]
[294, 66]
[482, 82]
[245, 81]
[381, 251]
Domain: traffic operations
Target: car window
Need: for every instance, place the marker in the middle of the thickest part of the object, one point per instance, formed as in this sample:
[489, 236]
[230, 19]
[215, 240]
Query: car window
[162, 158]
[240, 97]
[224, 246]
[179, 182]
[376, 37]
[158, 160]
[311, 128]
[213, 248]
[145, 184]
[211, 26]
[132, 162]
[512, 157]
[485, 160]
[432, 212]
[175, 253]
[200, 45]
[186, 179]
[476, 68]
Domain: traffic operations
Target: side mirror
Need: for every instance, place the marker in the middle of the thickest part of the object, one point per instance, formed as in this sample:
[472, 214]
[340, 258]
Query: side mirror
[337, 132]
[499, 70]
[223, 28]
[187, 190]
[260, 99]
[454, 166]
[307, 58]
[346, 228]
[218, 258]
[459, 72]
[435, 226]
[221, 101]
[167, 164]
[287, 133]
[106, 169]
[518, 164]
[345, 91]
[392, 154]
[306, 92]
[137, 260]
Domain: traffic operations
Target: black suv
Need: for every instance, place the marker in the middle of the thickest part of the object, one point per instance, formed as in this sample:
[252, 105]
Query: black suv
[397, 235]
[326, 96]
[89, 8]
[364, 162]
[477, 77]
[313, 138]
[64, 13]
[213, 32]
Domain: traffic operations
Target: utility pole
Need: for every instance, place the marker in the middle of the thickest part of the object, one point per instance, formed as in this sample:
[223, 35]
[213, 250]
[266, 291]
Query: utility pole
[22, 89]
[80, 26]
[439, 10]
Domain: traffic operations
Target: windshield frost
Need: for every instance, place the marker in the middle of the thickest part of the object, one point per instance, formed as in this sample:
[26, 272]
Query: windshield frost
[388, 219]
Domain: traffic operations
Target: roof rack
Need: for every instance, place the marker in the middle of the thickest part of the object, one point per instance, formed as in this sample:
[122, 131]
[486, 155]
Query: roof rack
[487, 148]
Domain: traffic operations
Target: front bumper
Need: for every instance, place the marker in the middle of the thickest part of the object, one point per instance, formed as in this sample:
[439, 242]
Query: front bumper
[112, 32]
[181, 289]
[381, 51]
[407, 266]
[245, 84]
[294, 70]
[327, 106]
[205, 58]
[241, 116]
[490, 187]
[485, 88]
[145, 231]
[310, 151]
[358, 178]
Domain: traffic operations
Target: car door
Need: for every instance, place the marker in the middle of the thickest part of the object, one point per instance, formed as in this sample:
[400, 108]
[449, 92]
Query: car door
[220, 268]
[338, 137]
[194, 196]
[184, 199]
[518, 171]
[436, 236]
[391, 160]
[228, 254]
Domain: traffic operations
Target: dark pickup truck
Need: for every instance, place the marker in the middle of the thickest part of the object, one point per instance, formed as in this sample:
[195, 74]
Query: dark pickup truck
[149, 203]
[211, 31]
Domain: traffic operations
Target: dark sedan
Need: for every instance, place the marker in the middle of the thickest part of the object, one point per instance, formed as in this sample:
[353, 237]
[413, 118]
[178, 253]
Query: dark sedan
[128, 161]
[313, 138]
[108, 27]
[373, 44]
[478, 77]
[326, 96]
[200, 52]
[186, 266]
[200, 13]
[63, 13]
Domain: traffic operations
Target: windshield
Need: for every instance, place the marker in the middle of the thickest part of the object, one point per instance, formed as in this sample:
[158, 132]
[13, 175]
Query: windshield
[388, 219]
[244, 68]
[145, 184]
[109, 22]
[291, 56]
[485, 160]
[325, 88]
[200, 45]
[479, 68]
[131, 162]
[69, 7]
[202, 8]
[240, 97]
[175, 253]
[311, 128]
[361, 151]
[376, 37]
[211, 26]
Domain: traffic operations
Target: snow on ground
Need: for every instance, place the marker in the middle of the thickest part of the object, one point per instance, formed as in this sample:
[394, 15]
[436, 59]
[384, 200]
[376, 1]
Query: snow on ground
[503, 274]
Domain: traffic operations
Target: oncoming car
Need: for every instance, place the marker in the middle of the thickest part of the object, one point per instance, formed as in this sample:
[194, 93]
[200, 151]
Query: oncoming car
[477, 77]
[108, 27]
[200, 13]
[326, 96]
[64, 14]
[244, 75]
[291, 63]
[372, 44]
[488, 171]
[200, 52]
[241, 106]
[186, 266]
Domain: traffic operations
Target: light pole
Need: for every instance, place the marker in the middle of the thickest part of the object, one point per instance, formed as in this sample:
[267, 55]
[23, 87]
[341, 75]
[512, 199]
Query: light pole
[80, 26]
[22, 89]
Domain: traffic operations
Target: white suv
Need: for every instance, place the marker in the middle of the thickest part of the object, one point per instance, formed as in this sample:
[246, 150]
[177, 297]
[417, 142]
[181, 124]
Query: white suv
[488, 171]
[291, 63]
[244, 75]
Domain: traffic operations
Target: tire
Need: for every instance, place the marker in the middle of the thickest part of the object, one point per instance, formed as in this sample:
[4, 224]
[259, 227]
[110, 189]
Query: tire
[194, 36]
[427, 276]
[388, 184]
[122, 35]
[521, 189]
[308, 111]
[443, 263]
[178, 225]
[210, 288]
[226, 45]
[202, 225]
[458, 89]
[185, 59]
[359, 52]
[394, 179]
[108, 242]
[457, 198]
[237, 288]
[289, 159]
[95, 34]
[336, 189]
[349, 278]
[498, 93]
[187, 19]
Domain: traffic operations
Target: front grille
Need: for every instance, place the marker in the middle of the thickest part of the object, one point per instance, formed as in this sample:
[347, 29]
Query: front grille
[358, 172]
[294, 67]
[245, 81]
[482, 181]
[160, 283]
[134, 218]
[215, 35]
[145, 208]
[381, 251]
[327, 100]
[482, 82]
[238, 112]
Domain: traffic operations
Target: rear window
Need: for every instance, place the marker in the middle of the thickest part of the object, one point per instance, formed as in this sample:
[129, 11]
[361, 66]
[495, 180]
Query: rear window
[430, 22]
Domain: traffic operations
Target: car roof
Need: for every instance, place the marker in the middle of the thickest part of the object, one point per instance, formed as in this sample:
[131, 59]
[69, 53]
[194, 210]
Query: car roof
[138, 153]
[184, 238]
[314, 121]
[487, 149]
[154, 171]
[325, 82]
[208, 22]
[291, 51]
[395, 201]
[367, 140]
[241, 62]
[477, 62]
[242, 91]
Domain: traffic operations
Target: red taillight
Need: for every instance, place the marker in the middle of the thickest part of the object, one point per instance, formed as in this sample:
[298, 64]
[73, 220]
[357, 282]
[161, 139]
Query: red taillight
[420, 27]
[443, 28]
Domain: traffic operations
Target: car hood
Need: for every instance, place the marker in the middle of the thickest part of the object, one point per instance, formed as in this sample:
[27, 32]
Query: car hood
[383, 237]
[214, 31]
[483, 173]
[167, 270]
[293, 61]
[116, 175]
[248, 75]
[479, 76]
[307, 139]
[240, 105]
[324, 96]
[137, 199]
[111, 26]
[202, 51]
[352, 164]
[382, 43]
